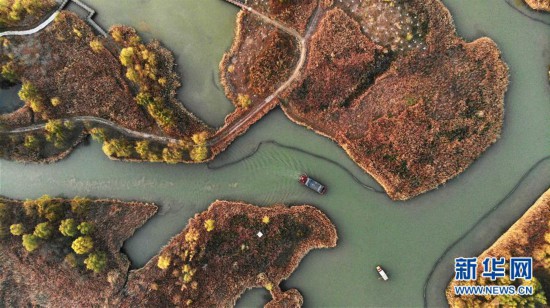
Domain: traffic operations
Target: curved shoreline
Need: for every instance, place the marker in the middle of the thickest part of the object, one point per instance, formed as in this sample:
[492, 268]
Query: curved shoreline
[487, 216]
[224, 135]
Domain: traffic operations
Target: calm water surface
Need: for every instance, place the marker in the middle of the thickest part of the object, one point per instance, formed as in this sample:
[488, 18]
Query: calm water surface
[405, 237]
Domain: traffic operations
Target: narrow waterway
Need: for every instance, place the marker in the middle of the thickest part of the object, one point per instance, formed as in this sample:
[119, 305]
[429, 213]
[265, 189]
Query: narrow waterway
[407, 238]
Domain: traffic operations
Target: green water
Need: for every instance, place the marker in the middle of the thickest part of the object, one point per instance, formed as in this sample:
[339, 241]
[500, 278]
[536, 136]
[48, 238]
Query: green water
[405, 237]
[9, 100]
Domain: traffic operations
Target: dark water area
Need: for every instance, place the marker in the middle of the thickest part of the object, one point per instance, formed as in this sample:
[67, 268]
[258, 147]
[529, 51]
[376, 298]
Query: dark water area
[9, 100]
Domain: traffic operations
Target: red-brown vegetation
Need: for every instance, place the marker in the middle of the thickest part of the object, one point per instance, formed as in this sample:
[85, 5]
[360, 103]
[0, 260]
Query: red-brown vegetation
[411, 116]
[221, 253]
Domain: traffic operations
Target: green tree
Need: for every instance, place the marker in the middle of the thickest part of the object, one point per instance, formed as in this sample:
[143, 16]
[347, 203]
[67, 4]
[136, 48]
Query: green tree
[30, 95]
[143, 148]
[96, 261]
[127, 56]
[98, 134]
[80, 206]
[82, 245]
[86, 228]
[163, 262]
[117, 147]
[9, 73]
[144, 99]
[17, 229]
[68, 227]
[56, 133]
[96, 45]
[43, 230]
[199, 153]
[172, 154]
[162, 115]
[49, 208]
[30, 242]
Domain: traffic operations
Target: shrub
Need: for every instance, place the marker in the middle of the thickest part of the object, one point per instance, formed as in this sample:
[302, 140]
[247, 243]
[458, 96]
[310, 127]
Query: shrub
[43, 230]
[82, 245]
[85, 228]
[17, 229]
[244, 101]
[30, 242]
[68, 227]
[31, 142]
[96, 261]
[163, 262]
[71, 260]
[80, 206]
[56, 101]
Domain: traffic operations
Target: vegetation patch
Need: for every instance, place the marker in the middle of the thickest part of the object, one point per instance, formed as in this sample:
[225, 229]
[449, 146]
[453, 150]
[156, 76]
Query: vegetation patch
[65, 252]
[249, 246]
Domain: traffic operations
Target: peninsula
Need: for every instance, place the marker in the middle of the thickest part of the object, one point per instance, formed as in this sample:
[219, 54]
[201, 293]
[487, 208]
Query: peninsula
[66, 253]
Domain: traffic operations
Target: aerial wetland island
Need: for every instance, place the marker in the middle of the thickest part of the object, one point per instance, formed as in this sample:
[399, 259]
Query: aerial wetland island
[409, 113]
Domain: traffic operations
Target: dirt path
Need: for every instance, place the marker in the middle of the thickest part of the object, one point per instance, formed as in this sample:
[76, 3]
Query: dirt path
[230, 131]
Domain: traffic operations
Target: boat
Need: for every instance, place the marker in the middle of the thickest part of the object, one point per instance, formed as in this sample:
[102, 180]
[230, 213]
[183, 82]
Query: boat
[313, 184]
[382, 273]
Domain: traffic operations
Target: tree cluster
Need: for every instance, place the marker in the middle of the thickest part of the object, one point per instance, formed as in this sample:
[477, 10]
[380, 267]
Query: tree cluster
[142, 69]
[47, 219]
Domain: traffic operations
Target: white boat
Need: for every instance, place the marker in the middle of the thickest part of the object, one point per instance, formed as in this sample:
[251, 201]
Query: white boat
[382, 273]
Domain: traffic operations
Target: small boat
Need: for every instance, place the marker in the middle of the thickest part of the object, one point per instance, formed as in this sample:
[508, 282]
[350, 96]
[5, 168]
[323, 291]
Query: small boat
[312, 184]
[382, 273]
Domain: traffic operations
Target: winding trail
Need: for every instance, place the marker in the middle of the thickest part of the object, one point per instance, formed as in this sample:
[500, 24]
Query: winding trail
[228, 133]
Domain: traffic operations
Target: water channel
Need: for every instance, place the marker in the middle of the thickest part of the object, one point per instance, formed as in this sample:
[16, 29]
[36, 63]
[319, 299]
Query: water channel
[407, 238]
